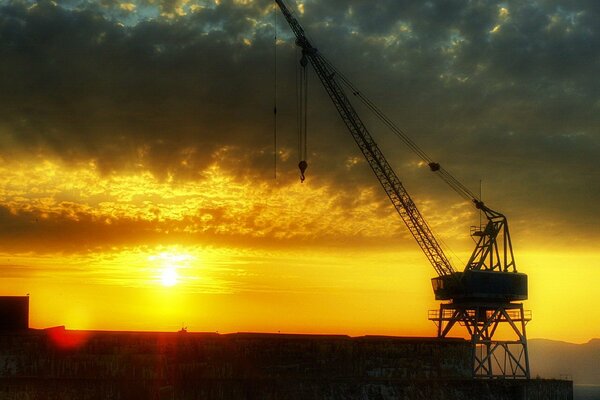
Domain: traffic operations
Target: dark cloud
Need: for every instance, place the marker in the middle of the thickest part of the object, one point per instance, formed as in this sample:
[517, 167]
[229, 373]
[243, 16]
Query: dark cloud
[504, 91]
[81, 86]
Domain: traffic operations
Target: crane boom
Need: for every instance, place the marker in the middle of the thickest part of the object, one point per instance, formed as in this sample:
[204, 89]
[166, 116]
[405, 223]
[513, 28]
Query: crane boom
[385, 174]
[482, 297]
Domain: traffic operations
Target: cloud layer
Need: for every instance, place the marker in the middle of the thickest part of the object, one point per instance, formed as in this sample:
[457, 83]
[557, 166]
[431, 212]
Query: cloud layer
[506, 92]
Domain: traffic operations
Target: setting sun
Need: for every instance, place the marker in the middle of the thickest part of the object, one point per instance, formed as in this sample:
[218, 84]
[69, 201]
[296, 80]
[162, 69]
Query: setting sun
[169, 277]
[198, 200]
[168, 264]
[144, 177]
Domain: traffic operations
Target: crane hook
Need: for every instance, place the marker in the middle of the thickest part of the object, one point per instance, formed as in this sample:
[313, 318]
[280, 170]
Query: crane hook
[302, 165]
[434, 166]
[303, 60]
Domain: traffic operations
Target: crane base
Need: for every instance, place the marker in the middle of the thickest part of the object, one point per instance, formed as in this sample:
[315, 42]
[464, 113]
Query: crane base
[492, 358]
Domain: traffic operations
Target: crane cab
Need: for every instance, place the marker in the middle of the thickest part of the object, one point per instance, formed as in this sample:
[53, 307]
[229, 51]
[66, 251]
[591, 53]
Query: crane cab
[487, 286]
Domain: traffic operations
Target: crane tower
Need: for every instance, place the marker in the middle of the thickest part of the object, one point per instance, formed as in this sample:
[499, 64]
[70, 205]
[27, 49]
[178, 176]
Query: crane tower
[485, 297]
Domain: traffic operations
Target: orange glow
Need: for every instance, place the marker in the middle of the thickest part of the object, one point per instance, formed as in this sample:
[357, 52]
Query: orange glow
[64, 339]
[350, 292]
[133, 252]
[216, 204]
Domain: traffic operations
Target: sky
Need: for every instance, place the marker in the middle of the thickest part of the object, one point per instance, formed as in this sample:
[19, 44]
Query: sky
[138, 188]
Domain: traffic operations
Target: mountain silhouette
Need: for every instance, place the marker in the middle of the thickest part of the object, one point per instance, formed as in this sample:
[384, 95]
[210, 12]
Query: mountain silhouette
[555, 359]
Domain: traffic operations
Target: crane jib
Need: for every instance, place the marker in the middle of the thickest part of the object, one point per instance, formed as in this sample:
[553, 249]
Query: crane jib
[482, 296]
[493, 251]
[383, 171]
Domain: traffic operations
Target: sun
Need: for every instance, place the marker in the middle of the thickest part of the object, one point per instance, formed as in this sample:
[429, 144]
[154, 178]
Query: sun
[171, 267]
[169, 277]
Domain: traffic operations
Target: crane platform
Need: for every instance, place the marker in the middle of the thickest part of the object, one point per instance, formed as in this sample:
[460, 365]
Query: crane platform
[472, 285]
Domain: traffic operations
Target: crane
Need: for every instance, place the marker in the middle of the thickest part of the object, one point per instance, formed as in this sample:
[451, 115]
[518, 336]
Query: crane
[485, 294]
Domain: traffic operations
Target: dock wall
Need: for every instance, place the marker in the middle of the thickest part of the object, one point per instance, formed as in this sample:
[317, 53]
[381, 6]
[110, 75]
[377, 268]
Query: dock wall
[61, 364]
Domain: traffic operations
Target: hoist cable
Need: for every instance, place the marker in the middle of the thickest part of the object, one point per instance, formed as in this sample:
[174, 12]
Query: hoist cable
[305, 112]
[275, 96]
[373, 107]
[298, 108]
[444, 174]
[302, 110]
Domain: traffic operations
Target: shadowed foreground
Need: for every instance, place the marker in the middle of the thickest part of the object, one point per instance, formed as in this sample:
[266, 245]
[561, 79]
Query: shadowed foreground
[61, 364]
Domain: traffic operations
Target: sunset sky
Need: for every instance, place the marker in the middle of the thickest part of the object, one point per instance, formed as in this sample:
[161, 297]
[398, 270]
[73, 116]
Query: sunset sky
[137, 186]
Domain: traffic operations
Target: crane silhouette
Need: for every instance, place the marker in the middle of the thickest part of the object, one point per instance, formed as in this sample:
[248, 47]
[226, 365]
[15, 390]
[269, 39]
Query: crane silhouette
[486, 294]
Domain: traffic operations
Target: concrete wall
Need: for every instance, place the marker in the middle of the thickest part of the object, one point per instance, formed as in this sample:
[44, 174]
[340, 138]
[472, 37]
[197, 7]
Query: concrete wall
[59, 364]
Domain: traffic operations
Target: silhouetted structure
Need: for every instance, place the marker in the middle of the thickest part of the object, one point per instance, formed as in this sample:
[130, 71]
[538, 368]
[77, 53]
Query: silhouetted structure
[74, 365]
[486, 293]
[14, 313]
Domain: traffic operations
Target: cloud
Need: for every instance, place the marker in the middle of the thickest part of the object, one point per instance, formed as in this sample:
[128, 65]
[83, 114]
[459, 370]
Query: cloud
[72, 210]
[503, 91]
[83, 87]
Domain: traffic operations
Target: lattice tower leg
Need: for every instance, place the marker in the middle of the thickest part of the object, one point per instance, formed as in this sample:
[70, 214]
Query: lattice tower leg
[492, 357]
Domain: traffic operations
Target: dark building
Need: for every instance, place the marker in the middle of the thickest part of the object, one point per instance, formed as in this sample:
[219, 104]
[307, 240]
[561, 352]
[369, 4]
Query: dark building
[89, 365]
[14, 313]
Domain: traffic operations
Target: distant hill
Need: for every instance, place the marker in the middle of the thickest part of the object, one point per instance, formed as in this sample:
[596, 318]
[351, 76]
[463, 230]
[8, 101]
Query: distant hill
[554, 359]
